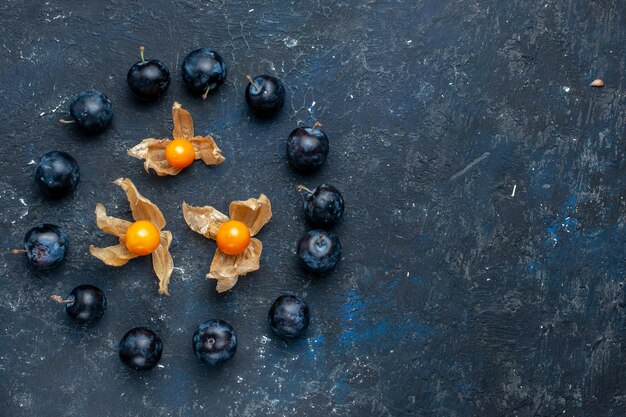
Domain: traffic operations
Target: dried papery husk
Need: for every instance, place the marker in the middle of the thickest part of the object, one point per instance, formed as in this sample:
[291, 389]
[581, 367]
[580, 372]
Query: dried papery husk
[203, 220]
[226, 269]
[162, 262]
[152, 151]
[118, 255]
[111, 225]
[140, 206]
[254, 212]
[183, 122]
[207, 150]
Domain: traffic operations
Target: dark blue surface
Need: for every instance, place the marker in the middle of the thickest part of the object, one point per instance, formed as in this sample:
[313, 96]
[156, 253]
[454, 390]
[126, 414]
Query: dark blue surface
[483, 239]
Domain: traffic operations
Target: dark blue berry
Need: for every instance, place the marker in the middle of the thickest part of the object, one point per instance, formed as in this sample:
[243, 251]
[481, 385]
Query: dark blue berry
[307, 148]
[92, 111]
[214, 342]
[323, 206]
[45, 246]
[319, 250]
[265, 95]
[57, 173]
[289, 316]
[140, 349]
[148, 79]
[203, 70]
[85, 304]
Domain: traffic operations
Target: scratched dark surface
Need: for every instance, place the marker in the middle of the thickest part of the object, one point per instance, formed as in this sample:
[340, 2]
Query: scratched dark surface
[484, 233]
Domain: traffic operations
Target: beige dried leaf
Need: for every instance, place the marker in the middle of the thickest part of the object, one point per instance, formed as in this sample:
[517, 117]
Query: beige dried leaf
[203, 220]
[116, 255]
[183, 122]
[140, 206]
[152, 151]
[597, 83]
[111, 225]
[254, 212]
[226, 269]
[207, 150]
[162, 262]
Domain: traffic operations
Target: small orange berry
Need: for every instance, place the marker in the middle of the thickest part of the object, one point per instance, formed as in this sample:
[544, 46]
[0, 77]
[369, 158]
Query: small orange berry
[142, 238]
[233, 237]
[180, 153]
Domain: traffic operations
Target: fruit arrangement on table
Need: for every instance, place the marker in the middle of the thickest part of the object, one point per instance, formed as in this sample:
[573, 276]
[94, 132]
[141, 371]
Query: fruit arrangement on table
[238, 250]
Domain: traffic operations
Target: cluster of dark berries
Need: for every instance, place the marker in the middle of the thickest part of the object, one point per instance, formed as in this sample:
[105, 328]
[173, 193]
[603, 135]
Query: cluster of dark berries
[319, 250]
[203, 70]
[57, 174]
[214, 342]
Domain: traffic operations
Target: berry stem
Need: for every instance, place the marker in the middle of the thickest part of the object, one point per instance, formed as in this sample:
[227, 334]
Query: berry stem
[66, 122]
[316, 124]
[301, 188]
[60, 299]
[16, 251]
[141, 50]
[319, 240]
[206, 93]
[255, 85]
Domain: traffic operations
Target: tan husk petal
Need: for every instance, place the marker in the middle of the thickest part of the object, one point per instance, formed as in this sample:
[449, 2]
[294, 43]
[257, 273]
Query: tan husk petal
[207, 150]
[116, 255]
[162, 262]
[203, 220]
[183, 123]
[111, 225]
[254, 212]
[153, 153]
[141, 207]
[226, 269]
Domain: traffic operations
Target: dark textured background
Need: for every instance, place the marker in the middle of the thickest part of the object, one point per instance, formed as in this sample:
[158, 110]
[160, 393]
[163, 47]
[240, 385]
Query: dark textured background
[457, 296]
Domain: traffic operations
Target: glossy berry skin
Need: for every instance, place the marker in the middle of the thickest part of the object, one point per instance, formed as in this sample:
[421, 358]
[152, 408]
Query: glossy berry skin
[140, 349]
[92, 111]
[319, 250]
[180, 153]
[307, 148]
[142, 238]
[214, 342]
[148, 79]
[323, 206]
[265, 95]
[203, 69]
[289, 316]
[45, 246]
[233, 237]
[57, 174]
[87, 304]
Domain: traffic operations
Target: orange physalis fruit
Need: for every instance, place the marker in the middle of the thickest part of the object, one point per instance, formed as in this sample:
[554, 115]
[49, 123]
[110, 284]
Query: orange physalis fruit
[233, 237]
[142, 238]
[180, 153]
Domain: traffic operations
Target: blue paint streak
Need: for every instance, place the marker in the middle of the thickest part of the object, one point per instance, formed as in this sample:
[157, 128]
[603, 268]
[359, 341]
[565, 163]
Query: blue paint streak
[564, 224]
[534, 265]
[366, 331]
